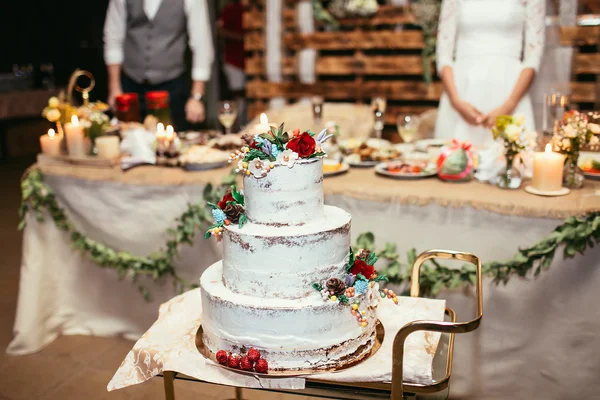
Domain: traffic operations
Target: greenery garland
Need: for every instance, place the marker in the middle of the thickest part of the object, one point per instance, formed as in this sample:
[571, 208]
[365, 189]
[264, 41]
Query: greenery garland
[37, 197]
[575, 235]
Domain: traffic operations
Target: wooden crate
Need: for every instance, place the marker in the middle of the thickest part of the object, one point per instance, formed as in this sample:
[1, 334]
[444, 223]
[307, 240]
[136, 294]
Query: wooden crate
[377, 56]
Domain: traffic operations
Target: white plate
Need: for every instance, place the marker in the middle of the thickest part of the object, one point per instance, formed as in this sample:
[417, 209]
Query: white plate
[561, 192]
[381, 169]
[204, 166]
[404, 148]
[424, 144]
[345, 168]
[362, 164]
[591, 175]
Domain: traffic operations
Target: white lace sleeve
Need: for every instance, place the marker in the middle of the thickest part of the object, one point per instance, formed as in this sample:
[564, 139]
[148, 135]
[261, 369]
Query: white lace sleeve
[535, 33]
[446, 37]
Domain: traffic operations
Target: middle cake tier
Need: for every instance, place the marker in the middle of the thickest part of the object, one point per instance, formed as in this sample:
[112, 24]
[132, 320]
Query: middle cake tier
[283, 262]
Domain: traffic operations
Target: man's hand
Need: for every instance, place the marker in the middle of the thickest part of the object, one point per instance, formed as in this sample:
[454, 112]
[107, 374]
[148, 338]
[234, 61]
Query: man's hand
[194, 111]
[469, 113]
[112, 95]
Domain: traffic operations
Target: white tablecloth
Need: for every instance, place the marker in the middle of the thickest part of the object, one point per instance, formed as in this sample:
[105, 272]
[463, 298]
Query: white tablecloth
[536, 339]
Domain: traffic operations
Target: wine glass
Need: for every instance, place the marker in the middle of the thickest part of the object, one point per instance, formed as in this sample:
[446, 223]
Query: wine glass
[227, 114]
[407, 127]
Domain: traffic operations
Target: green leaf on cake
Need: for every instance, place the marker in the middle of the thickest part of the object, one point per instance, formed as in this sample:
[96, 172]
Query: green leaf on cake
[255, 153]
[243, 220]
[207, 235]
[343, 298]
[212, 205]
[237, 196]
[317, 287]
[350, 261]
[372, 258]
[317, 154]
[381, 278]
[361, 277]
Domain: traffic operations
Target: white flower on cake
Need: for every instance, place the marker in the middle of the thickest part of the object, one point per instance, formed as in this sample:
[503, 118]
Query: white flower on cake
[519, 119]
[512, 132]
[287, 157]
[258, 168]
[373, 295]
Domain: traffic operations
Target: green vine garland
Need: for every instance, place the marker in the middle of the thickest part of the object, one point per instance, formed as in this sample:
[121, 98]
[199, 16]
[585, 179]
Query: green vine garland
[575, 235]
[37, 197]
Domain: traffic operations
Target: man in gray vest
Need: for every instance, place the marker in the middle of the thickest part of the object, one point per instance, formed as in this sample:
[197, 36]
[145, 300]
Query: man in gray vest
[144, 48]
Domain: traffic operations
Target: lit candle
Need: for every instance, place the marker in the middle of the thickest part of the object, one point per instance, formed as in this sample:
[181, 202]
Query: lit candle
[75, 137]
[170, 142]
[50, 143]
[548, 170]
[264, 125]
[108, 146]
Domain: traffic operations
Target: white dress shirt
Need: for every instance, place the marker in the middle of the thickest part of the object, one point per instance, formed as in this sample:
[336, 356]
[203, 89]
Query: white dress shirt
[198, 27]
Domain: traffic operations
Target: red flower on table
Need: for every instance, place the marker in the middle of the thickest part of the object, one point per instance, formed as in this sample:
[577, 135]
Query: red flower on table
[228, 197]
[304, 145]
[361, 267]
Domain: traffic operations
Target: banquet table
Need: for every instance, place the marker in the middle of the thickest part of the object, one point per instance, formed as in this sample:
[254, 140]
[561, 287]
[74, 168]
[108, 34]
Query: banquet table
[537, 339]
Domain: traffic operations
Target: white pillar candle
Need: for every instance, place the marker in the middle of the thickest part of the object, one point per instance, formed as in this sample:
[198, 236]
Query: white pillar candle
[75, 137]
[50, 143]
[548, 170]
[108, 146]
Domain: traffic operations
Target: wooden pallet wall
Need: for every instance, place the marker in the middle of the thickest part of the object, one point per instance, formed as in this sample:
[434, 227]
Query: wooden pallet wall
[371, 57]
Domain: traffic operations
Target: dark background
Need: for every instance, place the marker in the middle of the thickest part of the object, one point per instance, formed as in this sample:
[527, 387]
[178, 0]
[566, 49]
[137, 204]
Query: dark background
[66, 33]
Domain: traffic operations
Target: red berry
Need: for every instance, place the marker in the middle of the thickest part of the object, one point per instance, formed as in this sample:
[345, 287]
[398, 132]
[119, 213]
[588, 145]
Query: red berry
[262, 366]
[222, 357]
[234, 360]
[253, 354]
[246, 364]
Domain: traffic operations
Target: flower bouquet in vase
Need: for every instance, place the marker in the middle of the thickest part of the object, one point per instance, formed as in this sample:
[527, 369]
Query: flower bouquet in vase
[509, 130]
[571, 134]
[455, 162]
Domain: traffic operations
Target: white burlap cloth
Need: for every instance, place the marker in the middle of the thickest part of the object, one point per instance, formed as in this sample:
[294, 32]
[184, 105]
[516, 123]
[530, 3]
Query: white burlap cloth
[169, 345]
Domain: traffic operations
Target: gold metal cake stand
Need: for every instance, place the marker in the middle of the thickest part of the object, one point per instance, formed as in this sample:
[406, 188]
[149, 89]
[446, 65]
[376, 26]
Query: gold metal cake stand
[397, 389]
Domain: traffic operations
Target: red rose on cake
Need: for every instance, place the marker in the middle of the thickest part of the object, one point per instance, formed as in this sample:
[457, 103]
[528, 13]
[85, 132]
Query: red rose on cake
[361, 267]
[303, 144]
[228, 197]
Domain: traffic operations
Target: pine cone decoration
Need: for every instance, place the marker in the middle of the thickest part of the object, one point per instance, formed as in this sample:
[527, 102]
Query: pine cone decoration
[248, 139]
[233, 212]
[363, 254]
[335, 286]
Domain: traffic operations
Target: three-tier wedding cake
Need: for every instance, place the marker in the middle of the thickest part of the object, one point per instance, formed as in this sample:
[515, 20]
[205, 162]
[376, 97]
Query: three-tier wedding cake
[289, 284]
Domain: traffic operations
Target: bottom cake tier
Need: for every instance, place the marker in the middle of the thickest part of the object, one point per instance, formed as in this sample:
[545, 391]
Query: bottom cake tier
[302, 334]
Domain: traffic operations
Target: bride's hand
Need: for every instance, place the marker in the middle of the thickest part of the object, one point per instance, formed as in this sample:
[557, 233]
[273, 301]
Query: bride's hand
[504, 109]
[468, 112]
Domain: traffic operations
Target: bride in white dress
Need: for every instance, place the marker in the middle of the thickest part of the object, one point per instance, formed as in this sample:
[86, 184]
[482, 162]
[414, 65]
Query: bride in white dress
[488, 53]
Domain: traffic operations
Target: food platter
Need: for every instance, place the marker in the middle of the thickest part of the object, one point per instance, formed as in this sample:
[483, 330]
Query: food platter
[383, 169]
[424, 144]
[379, 335]
[202, 158]
[333, 168]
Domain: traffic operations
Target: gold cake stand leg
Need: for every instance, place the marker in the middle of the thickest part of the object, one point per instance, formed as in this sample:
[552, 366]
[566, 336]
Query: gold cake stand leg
[435, 326]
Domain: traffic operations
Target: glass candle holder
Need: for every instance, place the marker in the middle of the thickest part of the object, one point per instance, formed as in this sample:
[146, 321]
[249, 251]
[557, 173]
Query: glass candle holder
[128, 107]
[157, 104]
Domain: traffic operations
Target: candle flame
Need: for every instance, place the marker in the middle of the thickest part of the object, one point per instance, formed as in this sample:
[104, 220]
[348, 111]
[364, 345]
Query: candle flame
[75, 120]
[549, 148]
[170, 131]
[51, 132]
[263, 119]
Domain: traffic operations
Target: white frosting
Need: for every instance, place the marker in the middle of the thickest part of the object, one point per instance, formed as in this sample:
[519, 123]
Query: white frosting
[292, 334]
[268, 261]
[292, 196]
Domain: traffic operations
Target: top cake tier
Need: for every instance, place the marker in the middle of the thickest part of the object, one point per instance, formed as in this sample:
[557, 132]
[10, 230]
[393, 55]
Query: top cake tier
[286, 196]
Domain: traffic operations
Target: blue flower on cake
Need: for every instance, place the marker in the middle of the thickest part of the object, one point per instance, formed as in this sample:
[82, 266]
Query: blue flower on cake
[361, 286]
[288, 158]
[219, 216]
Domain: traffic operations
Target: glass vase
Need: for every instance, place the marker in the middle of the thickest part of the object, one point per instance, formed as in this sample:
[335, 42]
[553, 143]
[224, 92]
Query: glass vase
[573, 175]
[509, 178]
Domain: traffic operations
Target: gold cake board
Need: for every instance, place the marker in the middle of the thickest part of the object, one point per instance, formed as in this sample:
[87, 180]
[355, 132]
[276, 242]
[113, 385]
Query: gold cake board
[379, 335]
